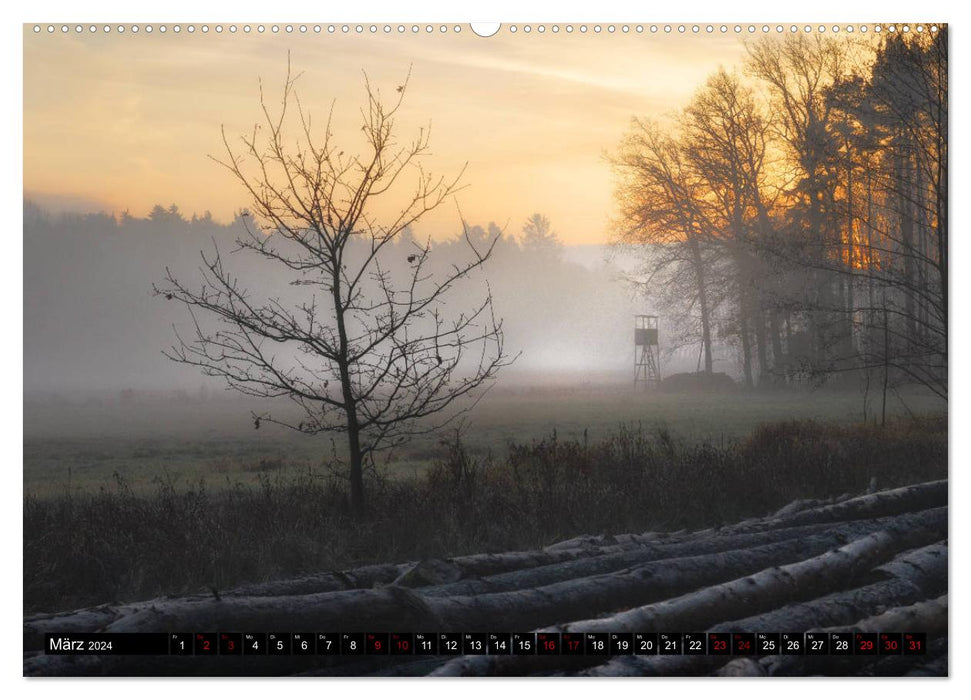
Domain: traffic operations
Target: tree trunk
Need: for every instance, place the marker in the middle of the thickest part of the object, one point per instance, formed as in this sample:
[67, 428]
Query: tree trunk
[760, 573]
[928, 616]
[913, 576]
[698, 264]
[775, 330]
[356, 458]
[761, 343]
[745, 336]
[766, 590]
[357, 464]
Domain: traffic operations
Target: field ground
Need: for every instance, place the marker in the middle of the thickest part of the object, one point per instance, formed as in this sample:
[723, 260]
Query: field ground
[86, 445]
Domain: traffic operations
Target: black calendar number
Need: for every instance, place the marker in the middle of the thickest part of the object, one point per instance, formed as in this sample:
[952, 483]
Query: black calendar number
[571, 643]
[352, 644]
[915, 643]
[426, 643]
[841, 643]
[180, 643]
[377, 643]
[719, 643]
[278, 643]
[230, 644]
[450, 644]
[303, 643]
[768, 643]
[328, 643]
[205, 643]
[694, 643]
[792, 643]
[474, 643]
[743, 643]
[817, 643]
[621, 644]
[596, 644]
[402, 643]
[891, 643]
[548, 643]
[645, 643]
[499, 644]
[669, 643]
[254, 643]
[524, 643]
[865, 643]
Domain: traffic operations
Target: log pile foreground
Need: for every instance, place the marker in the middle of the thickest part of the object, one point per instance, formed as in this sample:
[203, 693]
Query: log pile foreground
[868, 563]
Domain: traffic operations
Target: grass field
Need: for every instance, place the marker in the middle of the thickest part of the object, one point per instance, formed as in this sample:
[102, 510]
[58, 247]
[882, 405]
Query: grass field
[119, 544]
[86, 445]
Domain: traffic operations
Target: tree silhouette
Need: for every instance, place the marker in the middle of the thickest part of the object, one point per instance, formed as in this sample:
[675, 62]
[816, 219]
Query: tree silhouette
[358, 339]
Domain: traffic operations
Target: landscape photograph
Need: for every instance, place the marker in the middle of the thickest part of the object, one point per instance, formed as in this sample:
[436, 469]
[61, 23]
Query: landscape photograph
[561, 350]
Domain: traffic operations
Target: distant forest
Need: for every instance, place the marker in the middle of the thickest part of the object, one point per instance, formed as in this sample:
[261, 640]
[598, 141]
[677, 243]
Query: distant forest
[800, 207]
[92, 323]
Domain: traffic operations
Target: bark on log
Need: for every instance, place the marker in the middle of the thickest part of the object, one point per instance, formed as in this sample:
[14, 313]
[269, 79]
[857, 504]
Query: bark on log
[883, 503]
[395, 607]
[893, 501]
[910, 578]
[429, 572]
[605, 563]
[929, 616]
[480, 565]
[794, 581]
[90, 619]
[400, 608]
[765, 590]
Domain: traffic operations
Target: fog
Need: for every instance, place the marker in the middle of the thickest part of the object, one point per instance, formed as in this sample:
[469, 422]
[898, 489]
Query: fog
[92, 325]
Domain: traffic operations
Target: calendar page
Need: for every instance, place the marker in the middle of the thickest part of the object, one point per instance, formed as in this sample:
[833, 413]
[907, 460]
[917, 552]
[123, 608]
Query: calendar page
[515, 349]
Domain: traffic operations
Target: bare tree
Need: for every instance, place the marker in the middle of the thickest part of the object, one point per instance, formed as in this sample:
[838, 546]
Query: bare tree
[358, 338]
[868, 145]
[725, 143]
[659, 199]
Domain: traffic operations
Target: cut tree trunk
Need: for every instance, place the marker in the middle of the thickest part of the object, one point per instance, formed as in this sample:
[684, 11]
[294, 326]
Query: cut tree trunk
[765, 590]
[810, 565]
[905, 580]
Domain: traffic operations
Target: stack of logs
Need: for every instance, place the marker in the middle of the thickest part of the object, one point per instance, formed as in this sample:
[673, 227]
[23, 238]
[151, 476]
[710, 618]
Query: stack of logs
[876, 562]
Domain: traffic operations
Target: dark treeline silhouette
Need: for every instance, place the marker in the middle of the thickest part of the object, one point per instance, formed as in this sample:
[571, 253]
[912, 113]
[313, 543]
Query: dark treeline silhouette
[799, 211]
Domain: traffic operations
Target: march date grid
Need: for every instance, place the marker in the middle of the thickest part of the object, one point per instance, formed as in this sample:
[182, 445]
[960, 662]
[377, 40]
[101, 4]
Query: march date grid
[847, 643]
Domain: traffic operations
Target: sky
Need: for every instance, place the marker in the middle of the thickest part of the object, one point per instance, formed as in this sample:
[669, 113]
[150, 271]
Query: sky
[123, 122]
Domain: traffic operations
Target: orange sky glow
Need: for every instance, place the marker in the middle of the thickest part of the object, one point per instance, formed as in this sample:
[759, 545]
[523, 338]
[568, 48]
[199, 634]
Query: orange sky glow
[123, 122]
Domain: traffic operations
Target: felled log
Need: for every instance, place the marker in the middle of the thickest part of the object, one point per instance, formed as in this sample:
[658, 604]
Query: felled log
[775, 568]
[409, 574]
[395, 607]
[900, 500]
[615, 561]
[362, 577]
[908, 578]
[765, 590]
[885, 503]
[929, 616]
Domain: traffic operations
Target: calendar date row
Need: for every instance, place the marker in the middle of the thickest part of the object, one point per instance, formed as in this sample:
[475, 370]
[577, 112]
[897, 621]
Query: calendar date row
[489, 643]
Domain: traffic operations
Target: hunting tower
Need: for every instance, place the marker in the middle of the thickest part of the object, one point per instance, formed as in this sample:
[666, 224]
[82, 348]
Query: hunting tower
[647, 356]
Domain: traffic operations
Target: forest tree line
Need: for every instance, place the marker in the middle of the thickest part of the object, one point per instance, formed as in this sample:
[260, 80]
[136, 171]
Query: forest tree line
[91, 320]
[799, 210]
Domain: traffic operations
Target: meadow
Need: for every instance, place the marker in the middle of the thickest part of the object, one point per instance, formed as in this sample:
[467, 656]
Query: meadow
[128, 500]
[84, 444]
